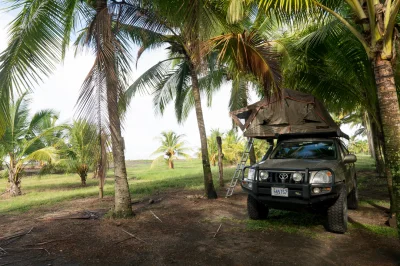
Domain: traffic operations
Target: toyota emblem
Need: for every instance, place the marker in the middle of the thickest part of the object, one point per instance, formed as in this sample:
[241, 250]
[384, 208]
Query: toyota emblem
[283, 176]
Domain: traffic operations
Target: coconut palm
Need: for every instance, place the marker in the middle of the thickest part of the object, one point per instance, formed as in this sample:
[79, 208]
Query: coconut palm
[39, 37]
[26, 139]
[194, 41]
[329, 62]
[102, 88]
[172, 147]
[373, 24]
[233, 146]
[37, 41]
[213, 145]
[82, 148]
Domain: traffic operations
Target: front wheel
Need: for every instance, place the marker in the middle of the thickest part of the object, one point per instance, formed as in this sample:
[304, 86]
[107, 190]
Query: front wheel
[337, 214]
[256, 209]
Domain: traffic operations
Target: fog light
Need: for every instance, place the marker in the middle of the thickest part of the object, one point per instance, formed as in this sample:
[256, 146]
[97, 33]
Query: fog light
[297, 177]
[264, 175]
[316, 190]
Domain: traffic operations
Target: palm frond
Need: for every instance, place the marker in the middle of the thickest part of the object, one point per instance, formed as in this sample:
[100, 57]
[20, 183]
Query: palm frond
[249, 53]
[46, 154]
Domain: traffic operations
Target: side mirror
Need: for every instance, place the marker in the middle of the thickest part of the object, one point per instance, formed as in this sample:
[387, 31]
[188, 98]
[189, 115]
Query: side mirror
[350, 158]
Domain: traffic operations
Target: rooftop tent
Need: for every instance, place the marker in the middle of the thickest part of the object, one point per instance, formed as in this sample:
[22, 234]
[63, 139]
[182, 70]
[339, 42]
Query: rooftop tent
[286, 114]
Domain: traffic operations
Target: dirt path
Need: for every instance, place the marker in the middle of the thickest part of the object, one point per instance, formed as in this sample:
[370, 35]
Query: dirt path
[185, 236]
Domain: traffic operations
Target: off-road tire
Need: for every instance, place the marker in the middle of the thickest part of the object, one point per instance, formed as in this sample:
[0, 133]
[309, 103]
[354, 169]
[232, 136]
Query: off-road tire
[256, 209]
[337, 214]
[352, 199]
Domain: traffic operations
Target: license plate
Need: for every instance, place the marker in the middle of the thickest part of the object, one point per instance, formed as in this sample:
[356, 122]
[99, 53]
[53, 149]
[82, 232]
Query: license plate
[280, 192]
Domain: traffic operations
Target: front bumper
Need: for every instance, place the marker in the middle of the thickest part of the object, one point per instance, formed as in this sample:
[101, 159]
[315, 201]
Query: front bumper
[300, 196]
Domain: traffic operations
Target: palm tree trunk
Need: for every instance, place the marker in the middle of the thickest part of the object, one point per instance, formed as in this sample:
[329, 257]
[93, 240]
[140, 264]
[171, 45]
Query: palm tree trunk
[102, 167]
[82, 172]
[83, 180]
[390, 118]
[15, 183]
[368, 126]
[170, 164]
[208, 181]
[122, 203]
[252, 154]
[377, 143]
[374, 140]
[220, 164]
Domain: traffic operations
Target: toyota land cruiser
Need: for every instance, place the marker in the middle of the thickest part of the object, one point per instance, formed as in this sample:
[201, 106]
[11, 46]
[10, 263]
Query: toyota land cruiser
[304, 173]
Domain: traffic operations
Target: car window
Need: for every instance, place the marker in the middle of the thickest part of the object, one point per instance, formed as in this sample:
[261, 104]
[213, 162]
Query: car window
[306, 150]
[343, 150]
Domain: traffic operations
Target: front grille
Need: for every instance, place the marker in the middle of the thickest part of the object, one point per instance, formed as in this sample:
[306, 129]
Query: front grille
[283, 177]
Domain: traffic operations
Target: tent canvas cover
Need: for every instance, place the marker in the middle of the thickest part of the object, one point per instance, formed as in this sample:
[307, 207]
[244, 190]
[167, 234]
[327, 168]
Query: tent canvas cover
[288, 113]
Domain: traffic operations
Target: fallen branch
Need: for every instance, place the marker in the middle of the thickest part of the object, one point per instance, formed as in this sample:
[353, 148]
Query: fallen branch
[132, 235]
[150, 200]
[44, 243]
[2, 251]
[15, 235]
[155, 216]
[123, 240]
[28, 249]
[13, 262]
[217, 230]
[137, 201]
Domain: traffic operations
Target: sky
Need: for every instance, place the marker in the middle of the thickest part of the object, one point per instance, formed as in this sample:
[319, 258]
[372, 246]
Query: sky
[141, 127]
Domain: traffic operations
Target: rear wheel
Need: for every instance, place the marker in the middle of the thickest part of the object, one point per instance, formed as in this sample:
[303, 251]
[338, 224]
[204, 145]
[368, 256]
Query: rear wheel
[352, 199]
[337, 214]
[256, 209]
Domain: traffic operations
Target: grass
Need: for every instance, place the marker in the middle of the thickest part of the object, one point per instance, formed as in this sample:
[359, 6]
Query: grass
[384, 231]
[51, 189]
[307, 223]
[289, 222]
[365, 162]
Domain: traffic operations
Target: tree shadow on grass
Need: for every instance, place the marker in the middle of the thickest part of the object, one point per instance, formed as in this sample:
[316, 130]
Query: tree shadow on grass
[46, 187]
[288, 221]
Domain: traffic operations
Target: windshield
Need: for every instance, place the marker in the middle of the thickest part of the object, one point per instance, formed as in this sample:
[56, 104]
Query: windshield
[305, 150]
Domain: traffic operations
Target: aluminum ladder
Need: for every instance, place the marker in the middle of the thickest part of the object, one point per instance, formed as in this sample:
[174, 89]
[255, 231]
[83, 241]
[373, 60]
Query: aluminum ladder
[239, 168]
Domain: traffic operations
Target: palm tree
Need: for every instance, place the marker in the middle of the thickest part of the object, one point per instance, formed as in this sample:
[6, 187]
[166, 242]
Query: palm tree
[373, 24]
[314, 53]
[39, 37]
[103, 87]
[233, 146]
[213, 146]
[260, 147]
[82, 148]
[25, 140]
[192, 39]
[172, 147]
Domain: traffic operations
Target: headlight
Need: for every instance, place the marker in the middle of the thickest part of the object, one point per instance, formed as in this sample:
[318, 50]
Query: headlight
[263, 175]
[322, 177]
[252, 174]
[297, 177]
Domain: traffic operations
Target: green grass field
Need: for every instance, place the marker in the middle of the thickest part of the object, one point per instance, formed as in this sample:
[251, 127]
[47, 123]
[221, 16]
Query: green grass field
[365, 162]
[49, 190]
[143, 180]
